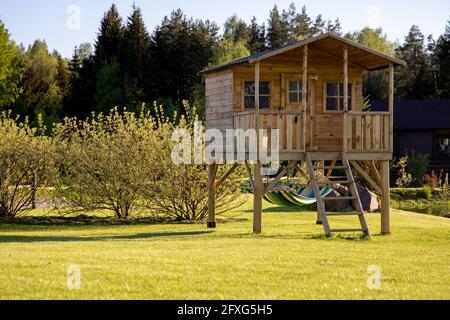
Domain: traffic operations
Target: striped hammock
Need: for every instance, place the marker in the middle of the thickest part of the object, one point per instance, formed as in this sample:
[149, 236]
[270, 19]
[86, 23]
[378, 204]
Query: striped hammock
[291, 196]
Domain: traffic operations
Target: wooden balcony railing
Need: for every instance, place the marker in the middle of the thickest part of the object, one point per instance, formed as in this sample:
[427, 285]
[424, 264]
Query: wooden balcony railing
[289, 124]
[367, 131]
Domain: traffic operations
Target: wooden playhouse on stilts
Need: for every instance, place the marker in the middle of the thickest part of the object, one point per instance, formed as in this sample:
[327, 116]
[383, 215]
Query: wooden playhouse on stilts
[311, 91]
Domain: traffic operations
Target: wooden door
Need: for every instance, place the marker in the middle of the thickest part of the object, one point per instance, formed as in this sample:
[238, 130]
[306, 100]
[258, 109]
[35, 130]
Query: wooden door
[297, 106]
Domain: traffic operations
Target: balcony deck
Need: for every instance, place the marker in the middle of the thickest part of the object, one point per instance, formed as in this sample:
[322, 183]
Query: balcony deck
[365, 136]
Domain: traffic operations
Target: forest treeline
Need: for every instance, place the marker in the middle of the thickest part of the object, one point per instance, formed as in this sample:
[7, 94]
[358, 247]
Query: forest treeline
[128, 65]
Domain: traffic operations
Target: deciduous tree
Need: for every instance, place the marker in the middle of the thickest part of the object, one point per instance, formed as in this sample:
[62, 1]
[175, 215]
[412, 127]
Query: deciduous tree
[10, 69]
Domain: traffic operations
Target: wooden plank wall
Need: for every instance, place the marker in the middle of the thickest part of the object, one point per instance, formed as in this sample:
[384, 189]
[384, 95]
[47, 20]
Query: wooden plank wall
[219, 100]
[330, 126]
[328, 133]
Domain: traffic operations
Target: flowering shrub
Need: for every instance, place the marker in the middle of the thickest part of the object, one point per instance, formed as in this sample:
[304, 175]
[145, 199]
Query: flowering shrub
[433, 180]
[25, 165]
[122, 162]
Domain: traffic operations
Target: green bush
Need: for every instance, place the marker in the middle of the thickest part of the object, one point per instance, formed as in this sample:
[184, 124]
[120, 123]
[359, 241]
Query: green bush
[404, 178]
[25, 165]
[122, 163]
[104, 162]
[180, 192]
[417, 166]
[425, 193]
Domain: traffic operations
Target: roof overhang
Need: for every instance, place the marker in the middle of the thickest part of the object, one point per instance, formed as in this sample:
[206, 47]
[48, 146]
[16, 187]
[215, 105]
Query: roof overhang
[331, 44]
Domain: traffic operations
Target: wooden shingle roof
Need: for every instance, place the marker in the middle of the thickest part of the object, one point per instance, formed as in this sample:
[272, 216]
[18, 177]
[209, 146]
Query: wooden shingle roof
[330, 43]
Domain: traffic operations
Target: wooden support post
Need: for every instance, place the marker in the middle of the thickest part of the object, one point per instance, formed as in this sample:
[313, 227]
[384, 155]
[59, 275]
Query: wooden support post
[345, 79]
[250, 176]
[366, 176]
[345, 118]
[320, 205]
[257, 199]
[385, 201]
[304, 94]
[257, 80]
[226, 175]
[212, 171]
[320, 178]
[374, 168]
[285, 171]
[391, 106]
[345, 132]
[330, 171]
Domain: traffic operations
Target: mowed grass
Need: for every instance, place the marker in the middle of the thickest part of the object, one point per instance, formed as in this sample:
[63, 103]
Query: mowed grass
[290, 260]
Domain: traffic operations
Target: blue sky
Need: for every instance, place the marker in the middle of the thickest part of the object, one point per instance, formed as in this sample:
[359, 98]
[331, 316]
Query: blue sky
[28, 20]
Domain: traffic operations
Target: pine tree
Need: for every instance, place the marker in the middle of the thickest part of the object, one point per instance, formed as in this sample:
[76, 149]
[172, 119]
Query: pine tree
[318, 26]
[83, 75]
[180, 48]
[136, 64]
[334, 27]
[415, 80]
[236, 30]
[257, 34]
[111, 60]
[288, 22]
[442, 53]
[137, 44]
[277, 35]
[433, 63]
[109, 42]
[302, 25]
[80, 54]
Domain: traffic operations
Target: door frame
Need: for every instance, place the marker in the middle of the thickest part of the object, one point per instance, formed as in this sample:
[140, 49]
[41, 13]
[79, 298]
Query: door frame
[310, 112]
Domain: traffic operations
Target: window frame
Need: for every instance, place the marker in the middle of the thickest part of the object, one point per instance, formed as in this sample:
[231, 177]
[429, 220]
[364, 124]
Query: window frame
[338, 97]
[299, 91]
[243, 95]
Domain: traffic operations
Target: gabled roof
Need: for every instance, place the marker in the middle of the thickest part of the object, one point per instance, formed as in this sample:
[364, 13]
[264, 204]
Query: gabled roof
[418, 114]
[330, 43]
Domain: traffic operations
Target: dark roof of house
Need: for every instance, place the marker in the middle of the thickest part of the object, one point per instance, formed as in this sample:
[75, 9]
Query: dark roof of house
[418, 114]
[326, 42]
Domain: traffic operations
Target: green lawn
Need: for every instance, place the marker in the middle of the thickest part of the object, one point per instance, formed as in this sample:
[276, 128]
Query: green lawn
[290, 260]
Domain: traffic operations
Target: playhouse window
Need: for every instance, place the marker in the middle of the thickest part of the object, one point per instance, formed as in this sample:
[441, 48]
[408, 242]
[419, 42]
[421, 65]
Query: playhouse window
[295, 91]
[335, 97]
[264, 94]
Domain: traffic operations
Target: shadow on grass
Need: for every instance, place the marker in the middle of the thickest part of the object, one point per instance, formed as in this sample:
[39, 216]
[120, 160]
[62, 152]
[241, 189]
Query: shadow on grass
[139, 236]
[80, 220]
[353, 237]
[85, 220]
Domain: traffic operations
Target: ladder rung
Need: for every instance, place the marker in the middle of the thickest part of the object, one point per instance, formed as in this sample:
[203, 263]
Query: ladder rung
[339, 198]
[347, 230]
[329, 167]
[338, 214]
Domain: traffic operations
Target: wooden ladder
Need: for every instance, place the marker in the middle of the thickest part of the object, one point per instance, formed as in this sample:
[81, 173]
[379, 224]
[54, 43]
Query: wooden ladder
[354, 196]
